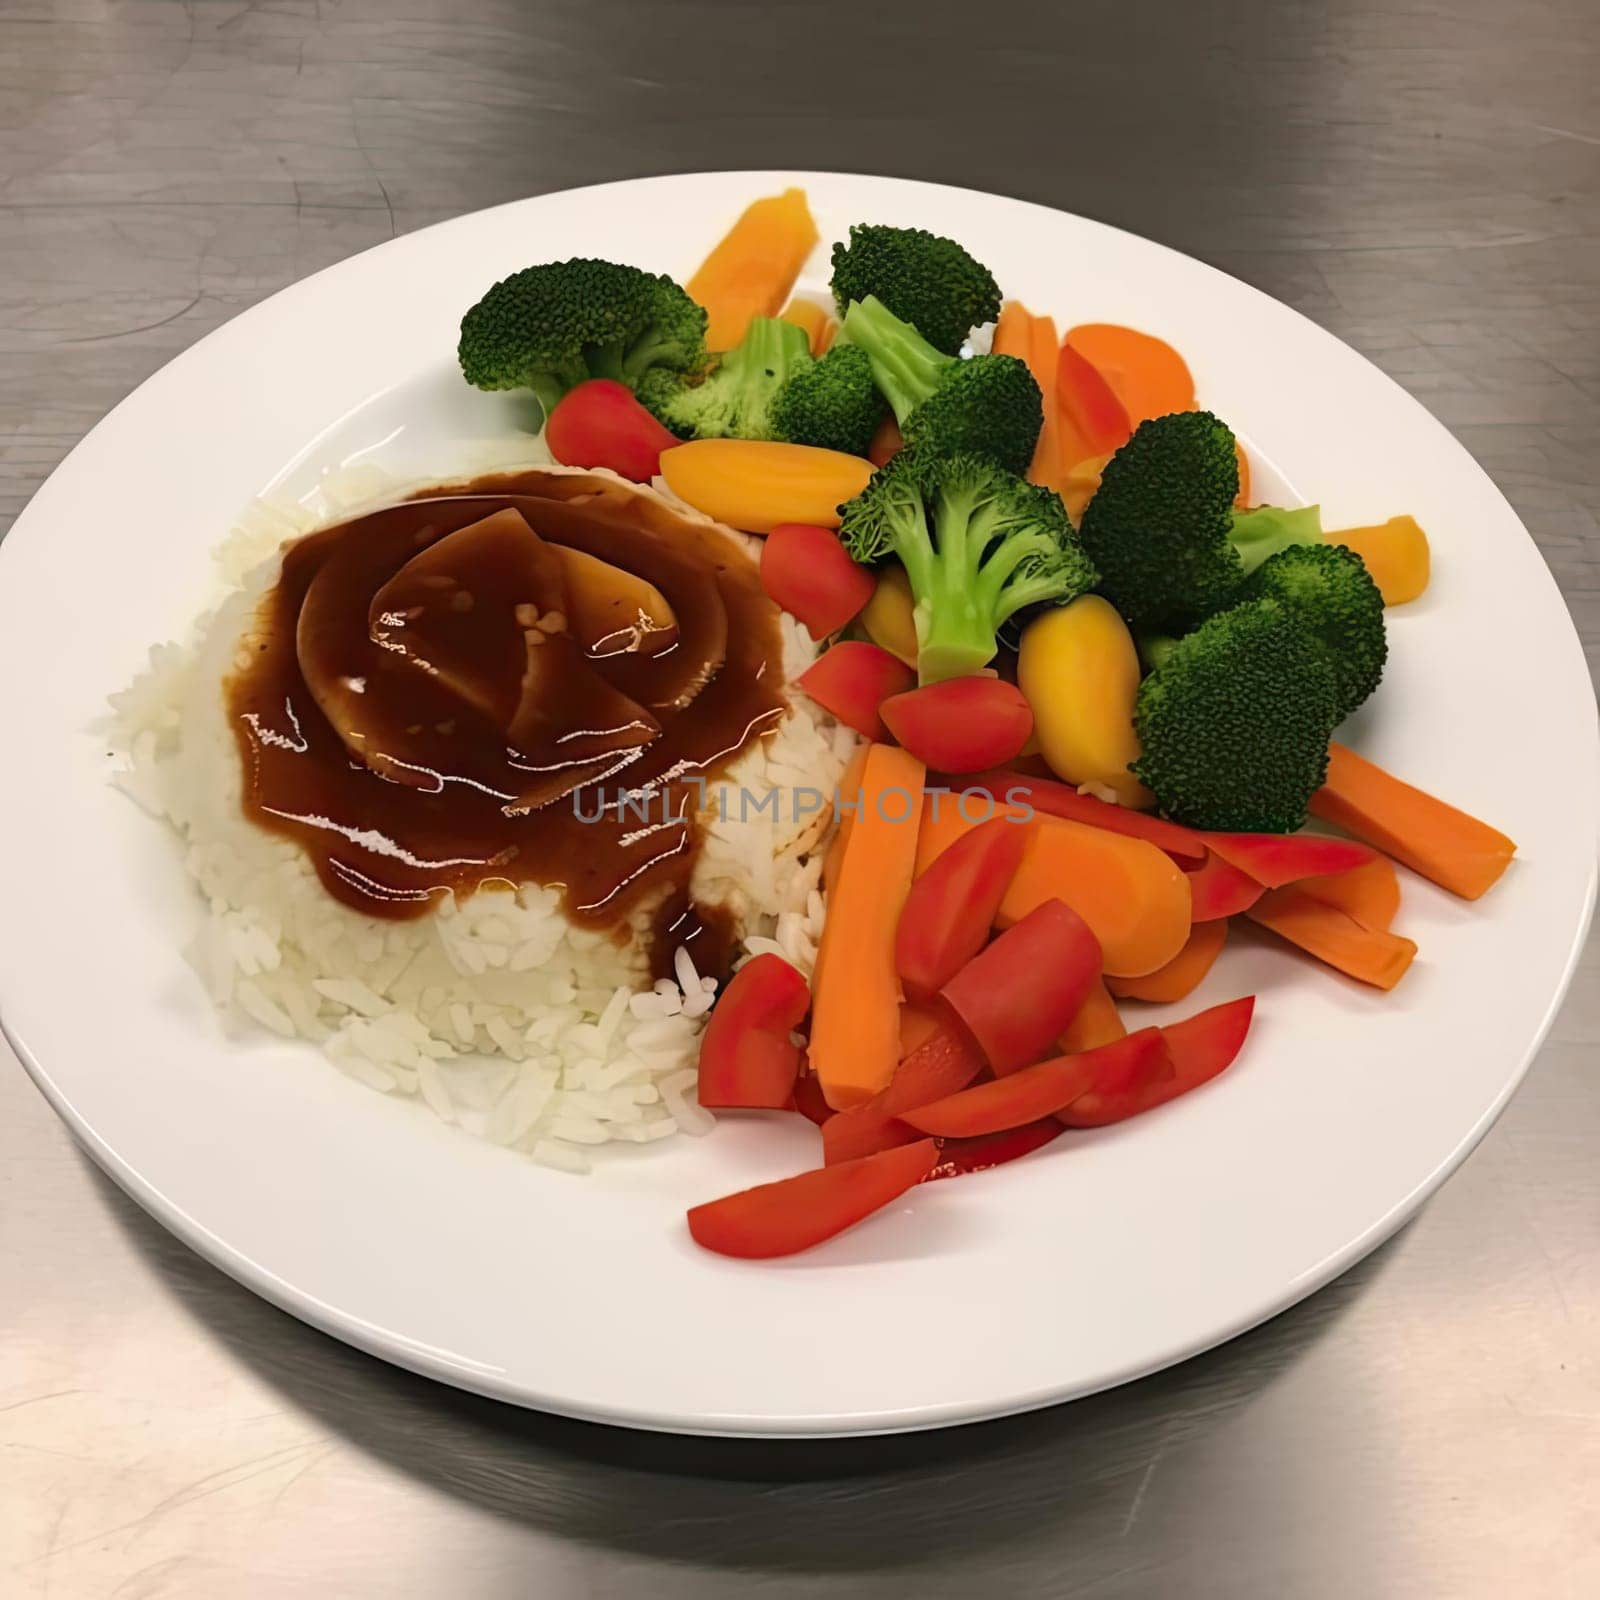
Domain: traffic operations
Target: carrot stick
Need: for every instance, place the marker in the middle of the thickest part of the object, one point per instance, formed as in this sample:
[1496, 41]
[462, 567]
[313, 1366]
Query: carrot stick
[855, 999]
[754, 266]
[1183, 974]
[849, 791]
[1098, 1022]
[817, 321]
[1146, 374]
[1132, 894]
[1370, 894]
[1454, 850]
[1370, 954]
[1048, 468]
[1013, 331]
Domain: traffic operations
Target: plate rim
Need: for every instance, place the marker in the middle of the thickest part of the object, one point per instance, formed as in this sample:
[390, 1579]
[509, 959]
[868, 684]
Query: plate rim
[386, 1346]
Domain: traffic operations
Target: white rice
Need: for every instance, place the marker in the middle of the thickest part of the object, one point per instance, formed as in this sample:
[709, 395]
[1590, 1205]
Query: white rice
[493, 1011]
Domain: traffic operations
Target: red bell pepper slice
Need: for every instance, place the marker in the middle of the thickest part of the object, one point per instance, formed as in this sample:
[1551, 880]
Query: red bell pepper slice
[747, 1058]
[1018, 995]
[1219, 889]
[778, 1219]
[852, 679]
[1200, 1046]
[1274, 859]
[1044, 1089]
[807, 572]
[947, 1061]
[809, 1099]
[1089, 401]
[961, 724]
[950, 911]
[960, 1156]
[1184, 845]
[600, 424]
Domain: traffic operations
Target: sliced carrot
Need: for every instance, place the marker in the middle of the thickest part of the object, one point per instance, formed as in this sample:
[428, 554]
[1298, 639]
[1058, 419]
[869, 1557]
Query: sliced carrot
[1033, 339]
[1013, 331]
[1133, 896]
[1081, 479]
[855, 1002]
[754, 266]
[1098, 1022]
[1048, 467]
[814, 319]
[1370, 894]
[1183, 974]
[1371, 955]
[1148, 377]
[1452, 849]
[1243, 497]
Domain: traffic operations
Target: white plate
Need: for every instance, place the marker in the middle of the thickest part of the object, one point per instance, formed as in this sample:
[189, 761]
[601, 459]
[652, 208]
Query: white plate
[1106, 1256]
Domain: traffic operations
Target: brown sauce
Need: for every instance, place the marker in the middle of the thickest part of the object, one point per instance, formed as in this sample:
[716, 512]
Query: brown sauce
[513, 680]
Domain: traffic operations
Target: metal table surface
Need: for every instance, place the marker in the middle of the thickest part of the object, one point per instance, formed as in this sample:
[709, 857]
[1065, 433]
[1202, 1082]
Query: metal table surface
[1420, 176]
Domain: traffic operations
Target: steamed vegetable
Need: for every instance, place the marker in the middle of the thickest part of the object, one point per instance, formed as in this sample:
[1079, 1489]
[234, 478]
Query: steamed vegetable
[852, 679]
[1219, 889]
[1098, 1022]
[816, 320]
[1080, 671]
[949, 1060]
[1148, 377]
[1045, 1088]
[1200, 1047]
[779, 1219]
[1326, 588]
[928, 281]
[1133, 897]
[1183, 973]
[755, 485]
[1369, 893]
[1396, 554]
[958, 1157]
[1235, 722]
[753, 268]
[1276, 859]
[832, 403]
[1033, 339]
[855, 1028]
[950, 911]
[889, 616]
[1017, 995]
[1162, 527]
[1452, 849]
[1058, 800]
[960, 724]
[988, 404]
[735, 399]
[1091, 415]
[1371, 955]
[747, 1058]
[600, 424]
[807, 572]
[550, 327]
[977, 543]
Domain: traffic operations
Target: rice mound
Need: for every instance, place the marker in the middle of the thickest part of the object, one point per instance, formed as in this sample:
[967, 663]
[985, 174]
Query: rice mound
[493, 1010]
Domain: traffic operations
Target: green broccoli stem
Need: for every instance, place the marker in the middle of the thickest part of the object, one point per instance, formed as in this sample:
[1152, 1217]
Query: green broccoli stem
[1259, 534]
[548, 390]
[1154, 648]
[905, 367]
[953, 613]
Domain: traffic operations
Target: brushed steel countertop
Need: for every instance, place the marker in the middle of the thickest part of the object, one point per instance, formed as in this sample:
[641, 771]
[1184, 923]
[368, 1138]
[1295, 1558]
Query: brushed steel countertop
[1419, 176]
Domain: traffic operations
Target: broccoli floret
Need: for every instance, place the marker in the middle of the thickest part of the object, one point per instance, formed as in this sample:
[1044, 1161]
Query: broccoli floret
[1235, 722]
[831, 402]
[927, 281]
[549, 327]
[1261, 532]
[734, 400]
[1158, 526]
[1327, 589]
[988, 404]
[977, 542]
